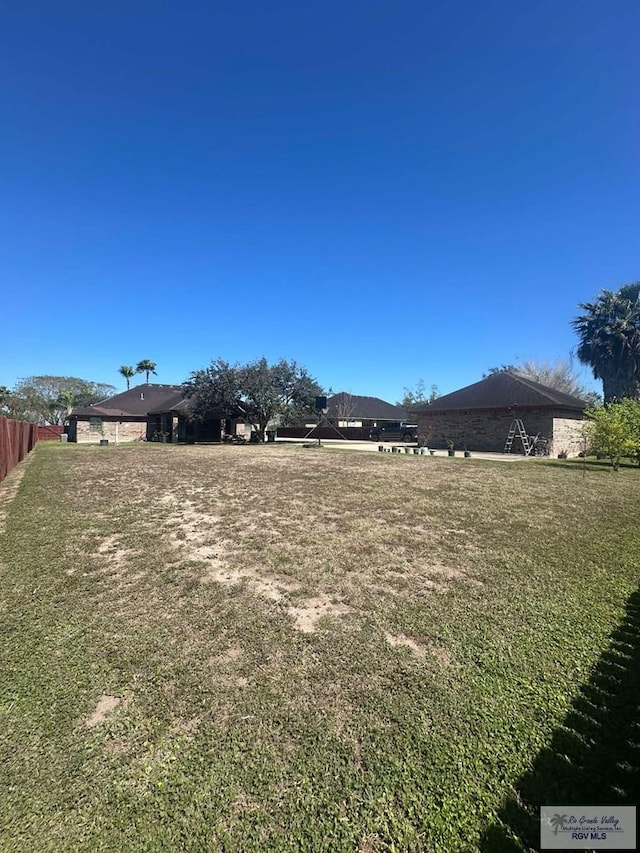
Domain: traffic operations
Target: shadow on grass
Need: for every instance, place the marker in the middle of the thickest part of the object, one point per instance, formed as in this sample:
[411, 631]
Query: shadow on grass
[594, 756]
[599, 466]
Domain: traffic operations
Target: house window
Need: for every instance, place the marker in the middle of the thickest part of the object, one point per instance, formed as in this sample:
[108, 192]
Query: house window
[95, 424]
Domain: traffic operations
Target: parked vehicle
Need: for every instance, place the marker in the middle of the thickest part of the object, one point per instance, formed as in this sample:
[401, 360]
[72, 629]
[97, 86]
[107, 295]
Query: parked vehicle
[395, 431]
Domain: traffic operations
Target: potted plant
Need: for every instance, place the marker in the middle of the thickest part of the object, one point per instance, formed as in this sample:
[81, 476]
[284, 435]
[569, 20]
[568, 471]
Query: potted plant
[450, 447]
[467, 452]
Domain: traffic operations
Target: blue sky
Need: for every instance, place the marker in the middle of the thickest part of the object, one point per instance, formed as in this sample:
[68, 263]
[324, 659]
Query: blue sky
[383, 191]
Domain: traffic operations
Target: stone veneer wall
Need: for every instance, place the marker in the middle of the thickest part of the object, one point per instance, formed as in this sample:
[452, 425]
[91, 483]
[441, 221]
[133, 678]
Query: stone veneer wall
[487, 430]
[567, 436]
[115, 431]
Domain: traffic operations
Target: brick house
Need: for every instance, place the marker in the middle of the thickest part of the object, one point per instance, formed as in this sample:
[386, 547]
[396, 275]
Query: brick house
[148, 412]
[345, 410]
[479, 416]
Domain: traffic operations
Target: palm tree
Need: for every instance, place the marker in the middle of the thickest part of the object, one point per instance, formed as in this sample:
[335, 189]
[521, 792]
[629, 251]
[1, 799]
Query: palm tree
[147, 367]
[127, 371]
[66, 401]
[609, 333]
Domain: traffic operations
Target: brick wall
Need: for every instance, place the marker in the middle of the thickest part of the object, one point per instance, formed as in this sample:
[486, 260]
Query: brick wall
[487, 430]
[114, 431]
[480, 430]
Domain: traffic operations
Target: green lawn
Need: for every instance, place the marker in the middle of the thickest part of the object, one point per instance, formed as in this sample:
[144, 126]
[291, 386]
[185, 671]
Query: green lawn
[277, 648]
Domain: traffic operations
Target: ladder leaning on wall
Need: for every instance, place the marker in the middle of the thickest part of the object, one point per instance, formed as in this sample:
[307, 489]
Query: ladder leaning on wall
[517, 428]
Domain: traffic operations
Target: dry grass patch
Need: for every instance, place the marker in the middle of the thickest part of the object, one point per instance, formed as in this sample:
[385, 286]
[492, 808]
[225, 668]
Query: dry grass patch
[9, 487]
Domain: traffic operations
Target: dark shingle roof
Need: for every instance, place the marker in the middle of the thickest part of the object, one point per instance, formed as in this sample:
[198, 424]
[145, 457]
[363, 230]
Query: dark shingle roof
[136, 402]
[175, 402]
[346, 406]
[504, 390]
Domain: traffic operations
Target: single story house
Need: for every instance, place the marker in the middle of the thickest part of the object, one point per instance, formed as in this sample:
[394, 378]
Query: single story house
[352, 410]
[348, 416]
[148, 412]
[479, 417]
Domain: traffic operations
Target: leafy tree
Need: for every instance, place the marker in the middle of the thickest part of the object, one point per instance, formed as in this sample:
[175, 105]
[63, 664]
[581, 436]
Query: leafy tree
[633, 418]
[260, 392]
[413, 398]
[560, 375]
[609, 333]
[127, 371]
[146, 366]
[47, 398]
[94, 394]
[4, 398]
[614, 429]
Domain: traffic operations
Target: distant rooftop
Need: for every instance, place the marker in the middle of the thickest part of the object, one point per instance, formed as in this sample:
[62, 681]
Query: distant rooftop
[345, 406]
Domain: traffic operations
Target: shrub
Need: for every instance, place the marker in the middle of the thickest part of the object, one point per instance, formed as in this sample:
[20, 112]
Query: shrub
[614, 430]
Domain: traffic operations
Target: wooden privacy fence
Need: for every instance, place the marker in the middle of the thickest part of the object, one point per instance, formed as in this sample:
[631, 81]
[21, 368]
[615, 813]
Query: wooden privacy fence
[50, 432]
[17, 438]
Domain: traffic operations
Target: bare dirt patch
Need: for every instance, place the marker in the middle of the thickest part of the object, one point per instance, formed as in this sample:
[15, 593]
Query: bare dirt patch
[419, 649]
[400, 640]
[310, 611]
[112, 557]
[229, 655]
[106, 704]
[265, 585]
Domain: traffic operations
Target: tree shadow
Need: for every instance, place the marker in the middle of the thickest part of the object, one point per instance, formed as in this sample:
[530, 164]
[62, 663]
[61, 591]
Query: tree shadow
[594, 755]
[591, 465]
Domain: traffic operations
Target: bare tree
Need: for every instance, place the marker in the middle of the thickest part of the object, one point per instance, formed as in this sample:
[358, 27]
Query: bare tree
[561, 375]
[345, 405]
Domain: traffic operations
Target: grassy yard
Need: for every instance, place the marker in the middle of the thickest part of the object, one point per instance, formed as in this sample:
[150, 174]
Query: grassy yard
[276, 648]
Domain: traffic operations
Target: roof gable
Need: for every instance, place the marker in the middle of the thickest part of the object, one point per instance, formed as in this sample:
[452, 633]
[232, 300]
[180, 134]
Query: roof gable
[504, 390]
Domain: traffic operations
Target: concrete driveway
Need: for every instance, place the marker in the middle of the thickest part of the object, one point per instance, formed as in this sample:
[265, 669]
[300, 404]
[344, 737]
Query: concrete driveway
[372, 447]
